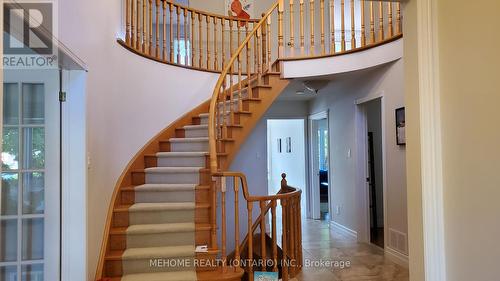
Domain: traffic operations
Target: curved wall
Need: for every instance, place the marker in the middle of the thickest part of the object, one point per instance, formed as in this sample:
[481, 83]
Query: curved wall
[344, 63]
[126, 107]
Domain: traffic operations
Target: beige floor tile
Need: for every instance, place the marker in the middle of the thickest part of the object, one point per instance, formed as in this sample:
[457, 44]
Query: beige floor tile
[367, 262]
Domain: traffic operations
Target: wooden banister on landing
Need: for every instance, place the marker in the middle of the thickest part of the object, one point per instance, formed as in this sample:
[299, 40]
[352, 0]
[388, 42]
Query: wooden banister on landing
[174, 34]
[172, 41]
[288, 235]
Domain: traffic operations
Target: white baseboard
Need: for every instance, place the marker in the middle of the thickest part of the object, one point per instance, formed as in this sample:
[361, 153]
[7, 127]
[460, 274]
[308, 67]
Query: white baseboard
[344, 229]
[397, 257]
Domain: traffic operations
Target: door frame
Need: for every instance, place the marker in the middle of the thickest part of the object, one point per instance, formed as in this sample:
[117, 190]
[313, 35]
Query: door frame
[362, 169]
[50, 79]
[306, 155]
[314, 211]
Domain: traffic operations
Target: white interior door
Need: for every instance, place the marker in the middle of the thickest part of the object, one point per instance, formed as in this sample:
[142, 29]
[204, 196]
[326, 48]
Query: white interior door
[314, 162]
[315, 192]
[29, 197]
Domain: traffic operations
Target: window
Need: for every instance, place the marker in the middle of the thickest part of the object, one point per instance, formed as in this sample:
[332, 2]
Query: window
[22, 205]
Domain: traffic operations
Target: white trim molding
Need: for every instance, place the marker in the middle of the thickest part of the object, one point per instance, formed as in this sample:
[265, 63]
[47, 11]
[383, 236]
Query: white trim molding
[344, 229]
[431, 146]
[396, 257]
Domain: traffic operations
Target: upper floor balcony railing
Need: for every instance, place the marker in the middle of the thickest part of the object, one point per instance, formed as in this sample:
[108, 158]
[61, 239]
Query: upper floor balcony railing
[179, 35]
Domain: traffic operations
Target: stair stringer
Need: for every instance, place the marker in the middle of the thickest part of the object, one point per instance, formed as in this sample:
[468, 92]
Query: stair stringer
[267, 95]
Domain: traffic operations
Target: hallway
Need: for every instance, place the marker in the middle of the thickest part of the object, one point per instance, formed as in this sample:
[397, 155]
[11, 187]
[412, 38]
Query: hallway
[367, 262]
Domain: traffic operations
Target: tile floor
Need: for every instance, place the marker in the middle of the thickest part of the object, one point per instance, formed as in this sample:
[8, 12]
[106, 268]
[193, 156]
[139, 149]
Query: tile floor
[367, 262]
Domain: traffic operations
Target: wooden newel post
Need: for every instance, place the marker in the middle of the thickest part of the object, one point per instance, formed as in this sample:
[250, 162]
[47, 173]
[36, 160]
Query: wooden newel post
[284, 183]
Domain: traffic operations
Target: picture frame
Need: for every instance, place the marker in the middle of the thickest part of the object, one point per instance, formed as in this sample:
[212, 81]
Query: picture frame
[288, 145]
[401, 126]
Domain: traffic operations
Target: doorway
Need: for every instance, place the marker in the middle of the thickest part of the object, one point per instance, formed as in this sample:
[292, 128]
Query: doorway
[320, 166]
[29, 213]
[370, 132]
[286, 154]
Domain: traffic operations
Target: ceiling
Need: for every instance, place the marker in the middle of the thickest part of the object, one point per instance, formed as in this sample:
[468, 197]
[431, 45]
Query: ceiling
[321, 83]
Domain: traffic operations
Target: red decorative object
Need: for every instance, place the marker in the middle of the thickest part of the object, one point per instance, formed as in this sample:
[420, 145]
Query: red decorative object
[237, 8]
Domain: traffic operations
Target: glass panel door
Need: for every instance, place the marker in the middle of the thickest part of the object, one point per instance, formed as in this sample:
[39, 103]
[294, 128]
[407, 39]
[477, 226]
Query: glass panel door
[29, 197]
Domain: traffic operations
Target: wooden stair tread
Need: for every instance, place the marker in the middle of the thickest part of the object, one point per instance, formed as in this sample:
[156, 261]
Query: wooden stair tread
[123, 230]
[231, 273]
[210, 252]
[132, 187]
[263, 86]
[245, 88]
[118, 254]
[114, 255]
[272, 73]
[125, 208]
[242, 112]
[231, 126]
[201, 170]
[243, 99]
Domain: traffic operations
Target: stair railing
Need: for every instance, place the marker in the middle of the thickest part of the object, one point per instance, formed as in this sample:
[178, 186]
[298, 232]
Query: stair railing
[233, 85]
[362, 24]
[171, 33]
[288, 234]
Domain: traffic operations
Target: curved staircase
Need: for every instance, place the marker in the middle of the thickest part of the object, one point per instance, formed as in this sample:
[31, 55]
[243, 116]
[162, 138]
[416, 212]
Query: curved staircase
[168, 199]
[163, 214]
[163, 203]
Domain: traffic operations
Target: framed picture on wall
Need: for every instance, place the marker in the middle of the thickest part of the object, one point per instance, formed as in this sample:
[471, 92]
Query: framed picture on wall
[400, 126]
[289, 145]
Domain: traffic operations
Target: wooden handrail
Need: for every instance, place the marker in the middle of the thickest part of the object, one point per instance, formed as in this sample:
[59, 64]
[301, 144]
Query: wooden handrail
[147, 29]
[283, 194]
[217, 96]
[215, 32]
[291, 245]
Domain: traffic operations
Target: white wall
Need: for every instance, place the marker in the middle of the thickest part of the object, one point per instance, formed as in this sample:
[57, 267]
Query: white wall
[254, 150]
[129, 100]
[374, 121]
[284, 162]
[339, 97]
[470, 100]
